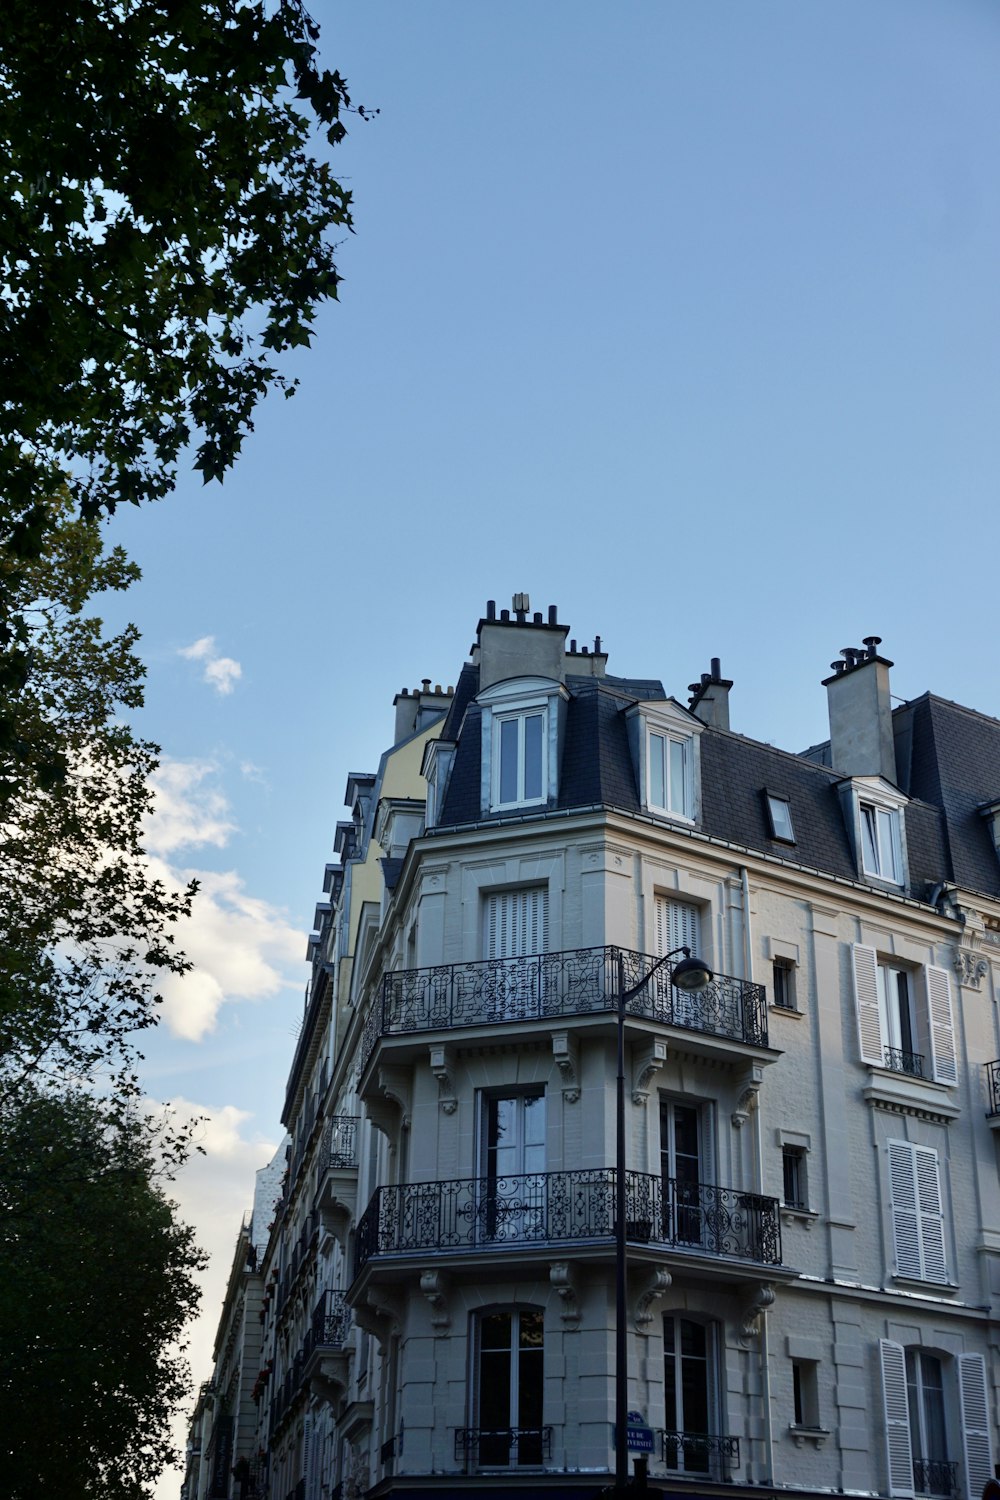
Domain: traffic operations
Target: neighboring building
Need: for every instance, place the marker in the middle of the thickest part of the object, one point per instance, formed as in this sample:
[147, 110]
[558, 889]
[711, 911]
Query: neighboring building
[813, 1192]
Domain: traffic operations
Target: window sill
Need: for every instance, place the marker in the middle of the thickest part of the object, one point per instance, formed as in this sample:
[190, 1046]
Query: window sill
[815, 1435]
[921, 1283]
[786, 1010]
[804, 1216]
[903, 1094]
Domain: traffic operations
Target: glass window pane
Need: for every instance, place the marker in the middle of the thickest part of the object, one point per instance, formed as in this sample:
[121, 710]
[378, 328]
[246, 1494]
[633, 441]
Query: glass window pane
[678, 778]
[869, 843]
[887, 845]
[781, 818]
[533, 726]
[657, 771]
[508, 760]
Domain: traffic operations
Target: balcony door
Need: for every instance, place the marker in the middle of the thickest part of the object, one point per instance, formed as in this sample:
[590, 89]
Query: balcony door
[678, 925]
[513, 1206]
[682, 1154]
[515, 933]
[691, 1404]
[509, 1388]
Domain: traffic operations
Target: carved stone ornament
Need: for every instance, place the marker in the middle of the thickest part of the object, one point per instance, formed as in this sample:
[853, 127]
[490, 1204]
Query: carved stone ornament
[442, 1063]
[653, 1289]
[566, 1054]
[434, 1285]
[748, 1097]
[381, 1315]
[645, 1063]
[562, 1276]
[759, 1298]
[970, 967]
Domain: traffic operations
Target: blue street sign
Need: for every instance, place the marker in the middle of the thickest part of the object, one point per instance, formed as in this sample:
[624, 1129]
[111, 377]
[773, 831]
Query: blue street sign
[638, 1437]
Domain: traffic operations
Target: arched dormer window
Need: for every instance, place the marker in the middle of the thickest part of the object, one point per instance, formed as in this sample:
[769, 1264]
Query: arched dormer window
[520, 747]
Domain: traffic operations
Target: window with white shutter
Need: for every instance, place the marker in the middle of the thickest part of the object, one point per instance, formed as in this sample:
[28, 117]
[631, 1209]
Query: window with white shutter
[974, 1406]
[903, 1026]
[896, 1410]
[917, 1220]
[866, 1004]
[678, 925]
[940, 1026]
[515, 934]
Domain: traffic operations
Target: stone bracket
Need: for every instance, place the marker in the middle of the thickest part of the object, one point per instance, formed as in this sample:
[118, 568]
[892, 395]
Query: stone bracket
[381, 1314]
[434, 1285]
[563, 1277]
[970, 967]
[646, 1061]
[747, 1098]
[566, 1054]
[758, 1299]
[654, 1287]
[442, 1066]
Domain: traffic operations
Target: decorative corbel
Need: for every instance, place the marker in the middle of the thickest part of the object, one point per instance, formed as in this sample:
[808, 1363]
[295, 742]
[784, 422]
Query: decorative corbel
[563, 1277]
[566, 1054]
[747, 1099]
[442, 1065]
[434, 1285]
[381, 1315]
[970, 967]
[654, 1287]
[644, 1064]
[758, 1299]
[393, 1111]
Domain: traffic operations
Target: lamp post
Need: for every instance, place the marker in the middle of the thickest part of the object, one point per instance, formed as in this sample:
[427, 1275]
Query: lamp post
[690, 974]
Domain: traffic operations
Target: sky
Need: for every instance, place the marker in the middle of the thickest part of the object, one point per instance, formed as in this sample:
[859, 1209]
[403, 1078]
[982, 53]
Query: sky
[681, 315]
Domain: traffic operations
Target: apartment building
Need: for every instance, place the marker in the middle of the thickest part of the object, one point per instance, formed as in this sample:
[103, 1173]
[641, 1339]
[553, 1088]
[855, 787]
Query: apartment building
[811, 1266]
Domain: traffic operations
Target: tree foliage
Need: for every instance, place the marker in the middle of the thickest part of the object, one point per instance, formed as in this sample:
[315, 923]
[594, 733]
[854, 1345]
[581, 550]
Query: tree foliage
[166, 232]
[96, 1284]
[86, 929]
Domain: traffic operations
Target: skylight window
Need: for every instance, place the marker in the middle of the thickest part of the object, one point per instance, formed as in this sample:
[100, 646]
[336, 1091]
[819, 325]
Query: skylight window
[779, 813]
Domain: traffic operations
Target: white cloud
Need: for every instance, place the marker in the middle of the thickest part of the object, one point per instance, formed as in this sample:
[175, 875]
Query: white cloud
[220, 672]
[186, 811]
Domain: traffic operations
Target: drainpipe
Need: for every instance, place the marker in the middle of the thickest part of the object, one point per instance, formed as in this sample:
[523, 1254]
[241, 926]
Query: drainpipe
[759, 1188]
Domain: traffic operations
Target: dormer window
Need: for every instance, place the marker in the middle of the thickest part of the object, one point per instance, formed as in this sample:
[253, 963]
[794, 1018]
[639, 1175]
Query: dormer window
[664, 743]
[881, 854]
[520, 745]
[518, 758]
[779, 817]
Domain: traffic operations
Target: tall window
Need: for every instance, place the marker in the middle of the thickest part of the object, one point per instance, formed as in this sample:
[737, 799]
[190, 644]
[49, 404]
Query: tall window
[918, 1391]
[690, 1399]
[928, 1428]
[669, 774]
[783, 983]
[917, 1220]
[514, 1165]
[509, 1388]
[515, 931]
[519, 758]
[904, 1024]
[898, 1021]
[881, 850]
[681, 1160]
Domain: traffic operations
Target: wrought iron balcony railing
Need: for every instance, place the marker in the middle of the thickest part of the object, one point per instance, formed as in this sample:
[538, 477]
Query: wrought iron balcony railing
[701, 1453]
[993, 1088]
[331, 1321]
[503, 1448]
[900, 1061]
[577, 982]
[935, 1476]
[555, 1207]
[340, 1142]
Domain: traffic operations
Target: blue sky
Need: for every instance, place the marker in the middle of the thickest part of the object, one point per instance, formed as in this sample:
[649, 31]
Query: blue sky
[681, 316]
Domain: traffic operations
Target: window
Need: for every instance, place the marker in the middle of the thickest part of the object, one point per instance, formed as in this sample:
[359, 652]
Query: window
[805, 1393]
[669, 774]
[515, 932]
[917, 1220]
[793, 1162]
[779, 816]
[509, 1388]
[904, 1025]
[513, 1139]
[918, 1391]
[783, 984]
[682, 1152]
[691, 1398]
[678, 925]
[519, 758]
[881, 851]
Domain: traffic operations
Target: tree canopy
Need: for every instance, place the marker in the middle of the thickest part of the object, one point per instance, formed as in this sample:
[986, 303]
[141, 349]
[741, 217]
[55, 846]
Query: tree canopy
[166, 231]
[86, 929]
[96, 1285]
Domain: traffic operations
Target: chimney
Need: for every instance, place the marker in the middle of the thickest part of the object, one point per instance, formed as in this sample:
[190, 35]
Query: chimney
[861, 742]
[710, 697]
[406, 705]
[525, 646]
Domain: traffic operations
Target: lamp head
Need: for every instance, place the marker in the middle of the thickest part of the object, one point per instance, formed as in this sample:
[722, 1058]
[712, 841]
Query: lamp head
[691, 974]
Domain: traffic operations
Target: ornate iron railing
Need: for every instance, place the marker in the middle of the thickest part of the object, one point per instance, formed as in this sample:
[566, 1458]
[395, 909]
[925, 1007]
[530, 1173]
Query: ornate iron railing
[340, 1142]
[900, 1061]
[577, 982]
[935, 1476]
[701, 1453]
[993, 1088]
[331, 1321]
[541, 1207]
[503, 1448]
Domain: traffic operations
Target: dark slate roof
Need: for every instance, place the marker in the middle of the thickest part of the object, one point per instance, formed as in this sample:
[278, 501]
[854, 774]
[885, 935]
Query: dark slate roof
[949, 765]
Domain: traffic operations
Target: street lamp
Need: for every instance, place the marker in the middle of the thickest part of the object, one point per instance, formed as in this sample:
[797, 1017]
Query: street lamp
[691, 974]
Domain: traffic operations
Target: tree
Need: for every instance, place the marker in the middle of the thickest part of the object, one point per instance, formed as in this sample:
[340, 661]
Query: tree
[85, 927]
[96, 1284]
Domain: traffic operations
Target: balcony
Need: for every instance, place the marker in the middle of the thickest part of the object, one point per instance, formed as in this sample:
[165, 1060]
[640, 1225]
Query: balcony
[511, 1214]
[337, 1187]
[553, 986]
[897, 1060]
[993, 1090]
[505, 1448]
[935, 1476]
[701, 1454]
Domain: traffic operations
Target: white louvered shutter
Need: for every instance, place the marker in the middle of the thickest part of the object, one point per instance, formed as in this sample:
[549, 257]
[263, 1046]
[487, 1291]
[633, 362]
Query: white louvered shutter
[975, 1423]
[940, 1025]
[517, 922]
[897, 1418]
[905, 1218]
[677, 925]
[866, 1005]
[925, 1163]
